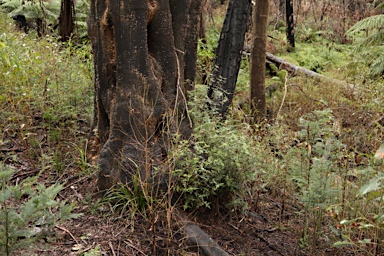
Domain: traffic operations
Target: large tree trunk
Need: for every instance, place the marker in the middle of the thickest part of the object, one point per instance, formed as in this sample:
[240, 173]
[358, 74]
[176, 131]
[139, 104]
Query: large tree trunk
[228, 55]
[141, 58]
[260, 24]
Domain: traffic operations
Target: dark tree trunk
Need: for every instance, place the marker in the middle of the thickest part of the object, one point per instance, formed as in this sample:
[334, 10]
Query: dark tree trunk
[141, 57]
[228, 55]
[290, 23]
[260, 24]
[281, 9]
[66, 23]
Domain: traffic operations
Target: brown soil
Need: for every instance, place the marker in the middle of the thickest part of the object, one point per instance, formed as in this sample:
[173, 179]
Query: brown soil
[274, 227]
[270, 231]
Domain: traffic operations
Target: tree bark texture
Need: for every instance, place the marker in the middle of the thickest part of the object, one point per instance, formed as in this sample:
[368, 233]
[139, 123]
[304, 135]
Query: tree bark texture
[281, 9]
[290, 23]
[66, 23]
[228, 55]
[260, 24]
[143, 53]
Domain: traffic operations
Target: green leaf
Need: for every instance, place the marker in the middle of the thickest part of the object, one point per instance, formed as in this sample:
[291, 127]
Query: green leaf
[4, 195]
[341, 243]
[366, 241]
[380, 153]
[373, 185]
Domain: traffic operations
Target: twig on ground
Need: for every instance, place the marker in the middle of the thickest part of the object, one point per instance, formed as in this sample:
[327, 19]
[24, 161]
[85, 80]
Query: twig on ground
[110, 246]
[68, 232]
[134, 247]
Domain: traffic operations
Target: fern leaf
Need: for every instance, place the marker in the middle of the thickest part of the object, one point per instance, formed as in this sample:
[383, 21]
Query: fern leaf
[374, 22]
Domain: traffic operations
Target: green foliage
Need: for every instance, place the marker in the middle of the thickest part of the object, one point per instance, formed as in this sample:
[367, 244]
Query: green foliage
[371, 220]
[130, 199]
[371, 46]
[48, 12]
[28, 210]
[314, 165]
[206, 55]
[309, 35]
[217, 162]
[46, 93]
[317, 59]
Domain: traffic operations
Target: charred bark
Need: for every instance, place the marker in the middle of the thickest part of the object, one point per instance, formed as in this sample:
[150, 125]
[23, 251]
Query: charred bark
[228, 55]
[140, 60]
[66, 19]
[290, 23]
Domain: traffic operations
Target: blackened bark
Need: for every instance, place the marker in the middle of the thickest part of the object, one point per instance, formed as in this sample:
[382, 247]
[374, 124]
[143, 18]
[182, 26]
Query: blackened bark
[228, 55]
[139, 49]
[66, 19]
[290, 23]
[281, 9]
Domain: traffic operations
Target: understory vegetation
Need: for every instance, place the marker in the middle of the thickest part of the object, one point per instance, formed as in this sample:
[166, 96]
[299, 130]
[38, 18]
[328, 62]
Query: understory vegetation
[321, 146]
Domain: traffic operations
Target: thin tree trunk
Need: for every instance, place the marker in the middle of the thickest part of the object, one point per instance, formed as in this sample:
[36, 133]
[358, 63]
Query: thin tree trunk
[260, 24]
[66, 19]
[290, 23]
[228, 55]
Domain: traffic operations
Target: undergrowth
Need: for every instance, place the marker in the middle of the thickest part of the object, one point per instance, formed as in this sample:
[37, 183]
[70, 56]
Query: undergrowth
[319, 150]
[45, 94]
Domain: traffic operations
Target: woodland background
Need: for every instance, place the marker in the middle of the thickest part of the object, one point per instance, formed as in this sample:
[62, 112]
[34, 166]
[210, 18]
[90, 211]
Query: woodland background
[305, 181]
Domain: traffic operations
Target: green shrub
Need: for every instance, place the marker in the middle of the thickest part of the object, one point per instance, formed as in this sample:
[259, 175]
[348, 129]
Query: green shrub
[315, 164]
[217, 162]
[28, 210]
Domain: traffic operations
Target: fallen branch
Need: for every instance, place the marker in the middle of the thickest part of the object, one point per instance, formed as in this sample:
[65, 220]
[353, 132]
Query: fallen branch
[294, 70]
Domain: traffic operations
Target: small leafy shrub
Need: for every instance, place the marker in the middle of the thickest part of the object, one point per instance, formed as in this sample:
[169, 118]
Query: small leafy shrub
[216, 163]
[28, 210]
[364, 229]
[315, 162]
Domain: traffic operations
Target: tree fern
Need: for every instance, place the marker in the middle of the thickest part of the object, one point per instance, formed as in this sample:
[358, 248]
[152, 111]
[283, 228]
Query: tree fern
[370, 23]
[374, 24]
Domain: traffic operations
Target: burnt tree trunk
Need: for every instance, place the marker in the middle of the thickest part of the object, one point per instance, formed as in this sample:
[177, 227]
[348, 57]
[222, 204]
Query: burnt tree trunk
[66, 19]
[290, 23]
[228, 55]
[142, 59]
[281, 11]
[260, 24]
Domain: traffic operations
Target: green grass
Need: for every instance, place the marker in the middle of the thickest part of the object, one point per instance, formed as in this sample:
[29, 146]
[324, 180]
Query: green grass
[46, 95]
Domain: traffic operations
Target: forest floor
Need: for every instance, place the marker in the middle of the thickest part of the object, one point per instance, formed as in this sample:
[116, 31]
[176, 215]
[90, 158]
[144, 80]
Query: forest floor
[273, 227]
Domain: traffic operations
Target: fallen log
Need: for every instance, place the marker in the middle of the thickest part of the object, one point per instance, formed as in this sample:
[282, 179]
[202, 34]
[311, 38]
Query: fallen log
[199, 240]
[295, 70]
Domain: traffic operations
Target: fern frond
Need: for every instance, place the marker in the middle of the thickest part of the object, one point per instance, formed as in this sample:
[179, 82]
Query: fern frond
[10, 5]
[376, 39]
[374, 22]
[377, 66]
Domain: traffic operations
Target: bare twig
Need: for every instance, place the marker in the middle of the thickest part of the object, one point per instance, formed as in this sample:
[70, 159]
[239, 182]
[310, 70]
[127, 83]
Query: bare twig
[134, 247]
[68, 232]
[110, 246]
[285, 95]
